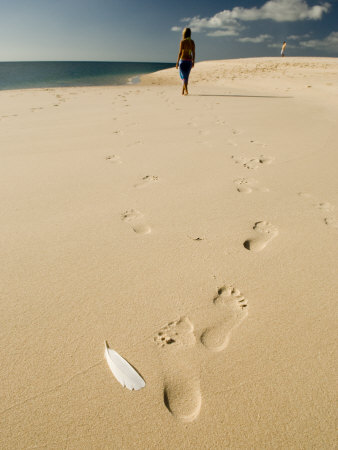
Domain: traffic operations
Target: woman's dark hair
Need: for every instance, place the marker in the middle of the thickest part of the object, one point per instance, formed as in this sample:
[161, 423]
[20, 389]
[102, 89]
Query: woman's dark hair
[186, 33]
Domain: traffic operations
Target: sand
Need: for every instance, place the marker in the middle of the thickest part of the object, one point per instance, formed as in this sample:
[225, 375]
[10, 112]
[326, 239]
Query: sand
[197, 235]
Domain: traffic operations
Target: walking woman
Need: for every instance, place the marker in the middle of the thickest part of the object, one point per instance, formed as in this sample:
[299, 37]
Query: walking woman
[186, 58]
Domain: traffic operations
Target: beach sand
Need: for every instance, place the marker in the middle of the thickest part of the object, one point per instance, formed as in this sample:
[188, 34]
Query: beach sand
[197, 235]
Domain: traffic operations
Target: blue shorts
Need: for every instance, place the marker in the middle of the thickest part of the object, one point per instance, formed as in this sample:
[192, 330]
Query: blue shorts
[185, 66]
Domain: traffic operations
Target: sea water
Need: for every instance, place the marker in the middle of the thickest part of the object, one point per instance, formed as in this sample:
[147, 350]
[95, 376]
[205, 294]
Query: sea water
[25, 75]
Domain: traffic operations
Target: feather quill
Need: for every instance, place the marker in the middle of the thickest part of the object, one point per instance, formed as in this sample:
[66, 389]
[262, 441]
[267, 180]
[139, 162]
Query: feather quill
[123, 371]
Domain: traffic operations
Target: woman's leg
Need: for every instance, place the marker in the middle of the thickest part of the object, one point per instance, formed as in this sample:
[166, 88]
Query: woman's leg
[185, 67]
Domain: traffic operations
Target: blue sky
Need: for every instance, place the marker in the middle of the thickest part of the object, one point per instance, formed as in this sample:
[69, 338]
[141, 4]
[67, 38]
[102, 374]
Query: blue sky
[150, 30]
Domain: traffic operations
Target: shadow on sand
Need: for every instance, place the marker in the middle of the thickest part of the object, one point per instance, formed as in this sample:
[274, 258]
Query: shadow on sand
[238, 95]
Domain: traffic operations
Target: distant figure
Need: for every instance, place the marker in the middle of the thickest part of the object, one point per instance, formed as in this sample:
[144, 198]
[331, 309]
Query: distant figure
[283, 49]
[186, 58]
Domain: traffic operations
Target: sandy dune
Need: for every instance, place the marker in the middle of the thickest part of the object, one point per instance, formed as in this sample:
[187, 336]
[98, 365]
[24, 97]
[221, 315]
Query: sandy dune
[197, 235]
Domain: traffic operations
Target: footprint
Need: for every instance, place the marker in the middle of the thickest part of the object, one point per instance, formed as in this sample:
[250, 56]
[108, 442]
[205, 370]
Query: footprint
[233, 307]
[136, 221]
[9, 115]
[180, 332]
[243, 185]
[331, 222]
[135, 143]
[182, 397]
[305, 195]
[220, 122]
[260, 144]
[325, 206]
[148, 179]
[266, 231]
[113, 159]
[192, 124]
[246, 186]
[252, 163]
[236, 132]
[60, 98]
[181, 389]
[204, 132]
[233, 143]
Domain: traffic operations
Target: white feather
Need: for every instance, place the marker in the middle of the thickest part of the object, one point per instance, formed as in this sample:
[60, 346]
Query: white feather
[123, 371]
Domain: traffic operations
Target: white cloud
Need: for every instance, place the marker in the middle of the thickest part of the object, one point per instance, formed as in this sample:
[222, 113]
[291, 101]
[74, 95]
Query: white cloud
[288, 11]
[276, 10]
[292, 37]
[230, 31]
[176, 28]
[276, 45]
[296, 37]
[198, 24]
[328, 43]
[256, 40]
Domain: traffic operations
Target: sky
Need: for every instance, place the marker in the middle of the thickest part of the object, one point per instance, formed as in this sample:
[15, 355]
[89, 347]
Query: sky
[150, 30]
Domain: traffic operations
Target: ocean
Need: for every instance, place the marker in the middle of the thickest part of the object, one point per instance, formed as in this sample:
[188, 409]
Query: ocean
[25, 75]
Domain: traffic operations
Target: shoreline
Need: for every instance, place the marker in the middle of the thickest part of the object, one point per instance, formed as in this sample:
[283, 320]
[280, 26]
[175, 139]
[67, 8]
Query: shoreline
[136, 79]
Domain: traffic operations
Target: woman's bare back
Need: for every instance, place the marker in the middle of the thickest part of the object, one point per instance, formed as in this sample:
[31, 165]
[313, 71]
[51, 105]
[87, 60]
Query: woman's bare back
[187, 49]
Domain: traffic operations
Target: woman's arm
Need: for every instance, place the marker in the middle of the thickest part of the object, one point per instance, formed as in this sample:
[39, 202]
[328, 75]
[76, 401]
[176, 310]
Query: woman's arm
[179, 55]
[193, 53]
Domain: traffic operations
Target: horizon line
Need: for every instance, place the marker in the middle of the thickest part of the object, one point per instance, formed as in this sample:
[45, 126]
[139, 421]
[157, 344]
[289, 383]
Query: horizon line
[158, 62]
